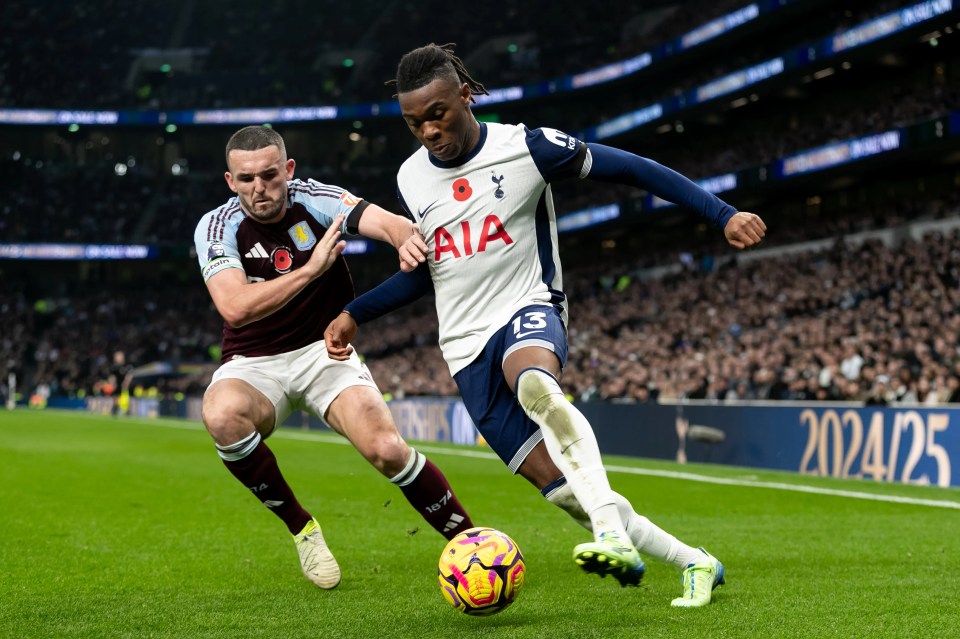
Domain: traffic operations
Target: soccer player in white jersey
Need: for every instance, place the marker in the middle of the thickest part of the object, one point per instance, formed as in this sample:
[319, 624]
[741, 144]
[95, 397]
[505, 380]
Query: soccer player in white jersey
[481, 196]
[271, 259]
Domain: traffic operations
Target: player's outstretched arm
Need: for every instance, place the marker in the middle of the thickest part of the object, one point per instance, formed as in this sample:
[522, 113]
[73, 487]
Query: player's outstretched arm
[744, 230]
[240, 302]
[609, 164]
[379, 224]
[339, 334]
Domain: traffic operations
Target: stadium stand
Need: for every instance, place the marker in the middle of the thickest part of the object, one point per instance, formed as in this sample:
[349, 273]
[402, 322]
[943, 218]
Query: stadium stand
[866, 317]
[223, 58]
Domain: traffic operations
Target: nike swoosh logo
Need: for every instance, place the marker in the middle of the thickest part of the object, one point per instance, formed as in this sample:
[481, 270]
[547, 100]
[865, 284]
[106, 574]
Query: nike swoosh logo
[539, 330]
[422, 214]
[567, 447]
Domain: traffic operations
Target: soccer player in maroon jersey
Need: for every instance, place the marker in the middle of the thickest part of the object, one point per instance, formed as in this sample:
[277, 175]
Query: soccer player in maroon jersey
[271, 259]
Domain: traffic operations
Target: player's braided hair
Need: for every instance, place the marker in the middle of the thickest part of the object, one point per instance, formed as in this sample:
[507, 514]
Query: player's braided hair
[420, 67]
[254, 138]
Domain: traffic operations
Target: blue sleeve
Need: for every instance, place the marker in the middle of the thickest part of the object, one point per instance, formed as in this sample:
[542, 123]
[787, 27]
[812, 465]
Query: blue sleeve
[325, 201]
[216, 242]
[398, 290]
[558, 156]
[613, 165]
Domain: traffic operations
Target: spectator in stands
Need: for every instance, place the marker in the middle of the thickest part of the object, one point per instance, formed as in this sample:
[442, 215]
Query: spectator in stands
[951, 393]
[880, 394]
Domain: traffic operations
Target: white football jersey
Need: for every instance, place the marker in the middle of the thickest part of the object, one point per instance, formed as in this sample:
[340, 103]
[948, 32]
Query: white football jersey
[489, 222]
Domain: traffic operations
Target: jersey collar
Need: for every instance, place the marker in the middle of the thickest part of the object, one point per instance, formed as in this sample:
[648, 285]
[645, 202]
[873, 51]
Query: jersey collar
[463, 159]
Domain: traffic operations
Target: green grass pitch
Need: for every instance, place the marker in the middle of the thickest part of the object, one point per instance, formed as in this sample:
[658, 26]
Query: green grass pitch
[133, 528]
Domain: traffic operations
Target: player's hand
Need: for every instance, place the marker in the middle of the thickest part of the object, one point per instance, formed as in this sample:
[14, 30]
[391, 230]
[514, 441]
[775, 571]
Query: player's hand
[413, 252]
[338, 336]
[744, 230]
[327, 250]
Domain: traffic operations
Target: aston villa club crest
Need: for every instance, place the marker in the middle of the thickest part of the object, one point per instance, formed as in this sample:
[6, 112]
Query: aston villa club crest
[302, 236]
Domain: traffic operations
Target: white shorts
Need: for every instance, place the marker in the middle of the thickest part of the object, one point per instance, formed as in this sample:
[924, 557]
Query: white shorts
[304, 379]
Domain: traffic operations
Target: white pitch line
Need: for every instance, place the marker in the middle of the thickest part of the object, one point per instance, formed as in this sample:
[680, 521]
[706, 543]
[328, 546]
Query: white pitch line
[324, 438]
[797, 488]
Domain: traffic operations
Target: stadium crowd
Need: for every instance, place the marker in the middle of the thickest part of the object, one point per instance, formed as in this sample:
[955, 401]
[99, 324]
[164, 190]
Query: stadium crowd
[224, 59]
[880, 330]
[904, 99]
[70, 203]
[146, 205]
[67, 345]
[857, 322]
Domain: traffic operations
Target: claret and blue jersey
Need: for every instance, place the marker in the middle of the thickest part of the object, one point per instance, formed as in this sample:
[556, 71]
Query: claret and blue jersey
[226, 238]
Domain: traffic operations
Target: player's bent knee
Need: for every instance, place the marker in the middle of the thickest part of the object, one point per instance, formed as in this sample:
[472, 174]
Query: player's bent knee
[214, 412]
[222, 423]
[227, 415]
[539, 394]
[388, 454]
[543, 400]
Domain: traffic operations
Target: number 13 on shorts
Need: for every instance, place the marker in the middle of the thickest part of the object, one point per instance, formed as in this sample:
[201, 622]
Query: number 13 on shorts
[536, 326]
[528, 323]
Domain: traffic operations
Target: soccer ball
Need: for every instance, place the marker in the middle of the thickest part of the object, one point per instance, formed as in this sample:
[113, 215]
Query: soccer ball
[481, 571]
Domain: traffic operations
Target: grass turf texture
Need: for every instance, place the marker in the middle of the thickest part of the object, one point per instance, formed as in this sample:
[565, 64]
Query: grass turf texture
[129, 528]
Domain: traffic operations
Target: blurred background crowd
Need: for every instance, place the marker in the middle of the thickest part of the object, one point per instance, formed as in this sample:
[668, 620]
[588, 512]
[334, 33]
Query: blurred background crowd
[852, 297]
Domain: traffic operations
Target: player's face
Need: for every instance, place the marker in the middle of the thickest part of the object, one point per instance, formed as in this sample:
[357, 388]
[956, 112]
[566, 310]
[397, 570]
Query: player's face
[439, 116]
[259, 178]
